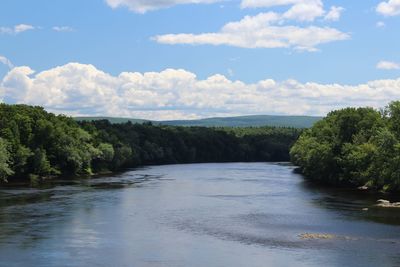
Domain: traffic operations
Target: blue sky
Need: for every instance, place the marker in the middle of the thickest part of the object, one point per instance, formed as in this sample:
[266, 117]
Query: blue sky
[349, 48]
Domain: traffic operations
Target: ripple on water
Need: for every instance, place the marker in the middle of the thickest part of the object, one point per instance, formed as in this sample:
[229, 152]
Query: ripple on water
[232, 214]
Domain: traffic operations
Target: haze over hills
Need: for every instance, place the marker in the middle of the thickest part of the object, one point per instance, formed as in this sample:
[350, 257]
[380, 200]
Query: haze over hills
[111, 119]
[241, 121]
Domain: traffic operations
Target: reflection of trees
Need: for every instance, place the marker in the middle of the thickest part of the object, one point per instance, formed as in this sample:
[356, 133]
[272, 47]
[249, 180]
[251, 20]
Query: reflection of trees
[352, 203]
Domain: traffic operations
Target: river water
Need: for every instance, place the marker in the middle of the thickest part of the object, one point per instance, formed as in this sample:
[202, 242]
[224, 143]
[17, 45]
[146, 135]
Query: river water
[235, 214]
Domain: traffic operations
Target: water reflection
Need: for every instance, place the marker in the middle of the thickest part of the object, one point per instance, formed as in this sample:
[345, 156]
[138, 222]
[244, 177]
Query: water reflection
[195, 215]
[353, 203]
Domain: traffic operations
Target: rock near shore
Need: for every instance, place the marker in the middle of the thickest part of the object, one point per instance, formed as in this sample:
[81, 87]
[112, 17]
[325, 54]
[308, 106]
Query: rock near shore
[387, 204]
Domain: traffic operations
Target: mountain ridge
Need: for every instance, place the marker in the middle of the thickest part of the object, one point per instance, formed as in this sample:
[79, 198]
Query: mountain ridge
[236, 121]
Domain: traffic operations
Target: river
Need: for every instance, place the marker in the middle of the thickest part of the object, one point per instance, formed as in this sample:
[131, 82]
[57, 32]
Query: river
[234, 214]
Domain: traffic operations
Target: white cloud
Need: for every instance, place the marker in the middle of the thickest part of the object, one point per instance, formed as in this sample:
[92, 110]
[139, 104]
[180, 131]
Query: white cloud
[272, 3]
[264, 30]
[23, 28]
[301, 10]
[63, 29]
[16, 29]
[79, 89]
[6, 62]
[389, 8]
[334, 13]
[270, 29]
[143, 6]
[388, 65]
[305, 11]
[380, 24]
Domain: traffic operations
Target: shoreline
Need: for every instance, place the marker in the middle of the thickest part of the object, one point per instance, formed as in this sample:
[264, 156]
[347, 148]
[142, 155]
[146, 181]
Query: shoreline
[43, 180]
[391, 197]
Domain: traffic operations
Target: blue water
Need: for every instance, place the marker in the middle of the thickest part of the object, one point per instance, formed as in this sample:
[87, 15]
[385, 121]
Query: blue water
[236, 214]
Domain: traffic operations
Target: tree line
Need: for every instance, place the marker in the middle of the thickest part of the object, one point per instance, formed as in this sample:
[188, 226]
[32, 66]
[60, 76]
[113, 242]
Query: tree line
[357, 147]
[35, 144]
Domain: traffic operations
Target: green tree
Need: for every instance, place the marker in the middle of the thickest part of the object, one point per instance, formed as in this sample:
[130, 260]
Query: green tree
[353, 147]
[107, 152]
[393, 110]
[40, 163]
[5, 169]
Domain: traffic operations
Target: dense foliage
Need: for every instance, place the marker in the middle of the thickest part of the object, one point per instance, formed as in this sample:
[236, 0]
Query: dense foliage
[353, 147]
[157, 144]
[36, 144]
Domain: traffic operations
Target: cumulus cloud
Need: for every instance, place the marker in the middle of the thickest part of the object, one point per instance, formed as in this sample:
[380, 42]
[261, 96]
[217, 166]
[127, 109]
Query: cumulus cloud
[80, 89]
[265, 30]
[389, 8]
[270, 29]
[334, 13]
[261, 31]
[6, 61]
[63, 29]
[305, 11]
[16, 29]
[302, 10]
[143, 6]
[387, 65]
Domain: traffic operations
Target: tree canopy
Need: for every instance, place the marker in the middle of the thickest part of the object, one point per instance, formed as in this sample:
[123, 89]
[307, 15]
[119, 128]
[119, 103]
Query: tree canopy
[353, 147]
[36, 144]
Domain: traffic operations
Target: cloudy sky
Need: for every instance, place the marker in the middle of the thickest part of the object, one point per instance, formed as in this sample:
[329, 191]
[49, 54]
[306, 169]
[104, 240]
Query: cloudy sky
[174, 59]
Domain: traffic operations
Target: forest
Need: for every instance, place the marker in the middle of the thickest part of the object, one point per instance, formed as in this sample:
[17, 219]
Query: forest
[353, 147]
[36, 145]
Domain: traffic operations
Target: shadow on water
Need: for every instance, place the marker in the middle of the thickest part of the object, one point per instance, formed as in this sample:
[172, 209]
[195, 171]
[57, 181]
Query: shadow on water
[353, 203]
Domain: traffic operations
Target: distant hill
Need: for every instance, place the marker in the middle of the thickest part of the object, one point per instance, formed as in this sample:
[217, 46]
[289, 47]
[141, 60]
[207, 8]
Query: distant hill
[110, 119]
[242, 121]
[247, 121]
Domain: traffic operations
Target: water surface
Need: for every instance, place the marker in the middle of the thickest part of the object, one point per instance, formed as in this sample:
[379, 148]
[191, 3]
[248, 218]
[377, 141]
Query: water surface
[236, 214]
